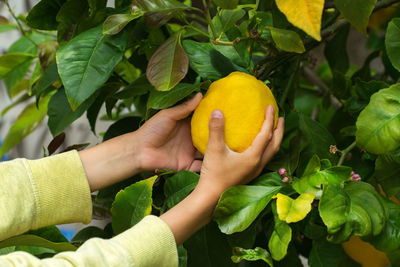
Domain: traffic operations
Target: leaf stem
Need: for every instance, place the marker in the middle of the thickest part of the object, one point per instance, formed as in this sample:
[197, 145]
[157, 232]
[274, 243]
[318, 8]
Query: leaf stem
[23, 32]
[209, 20]
[345, 152]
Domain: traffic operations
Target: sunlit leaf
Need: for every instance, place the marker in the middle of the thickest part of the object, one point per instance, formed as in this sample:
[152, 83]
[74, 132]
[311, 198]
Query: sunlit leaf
[378, 124]
[304, 14]
[87, 61]
[26, 123]
[357, 12]
[256, 254]
[293, 210]
[168, 65]
[287, 40]
[387, 173]
[179, 186]
[161, 100]
[392, 42]
[240, 205]
[132, 204]
[280, 237]
[12, 60]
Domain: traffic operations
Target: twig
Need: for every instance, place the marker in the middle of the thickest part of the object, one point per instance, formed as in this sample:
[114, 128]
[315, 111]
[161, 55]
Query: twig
[345, 152]
[23, 32]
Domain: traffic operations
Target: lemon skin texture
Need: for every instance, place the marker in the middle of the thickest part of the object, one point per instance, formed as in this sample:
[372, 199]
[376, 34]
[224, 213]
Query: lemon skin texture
[243, 100]
[364, 253]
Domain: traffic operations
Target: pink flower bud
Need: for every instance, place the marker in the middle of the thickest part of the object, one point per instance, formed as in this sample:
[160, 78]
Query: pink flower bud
[285, 179]
[355, 176]
[282, 172]
[356, 179]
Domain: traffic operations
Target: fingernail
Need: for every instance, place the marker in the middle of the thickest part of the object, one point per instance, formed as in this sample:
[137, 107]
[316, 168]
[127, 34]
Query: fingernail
[217, 114]
[271, 109]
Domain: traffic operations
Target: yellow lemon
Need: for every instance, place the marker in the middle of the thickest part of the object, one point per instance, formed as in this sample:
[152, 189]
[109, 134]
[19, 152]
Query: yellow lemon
[364, 253]
[243, 100]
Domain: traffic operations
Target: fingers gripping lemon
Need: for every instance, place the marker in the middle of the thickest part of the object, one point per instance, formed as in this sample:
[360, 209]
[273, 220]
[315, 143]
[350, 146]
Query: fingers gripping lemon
[243, 100]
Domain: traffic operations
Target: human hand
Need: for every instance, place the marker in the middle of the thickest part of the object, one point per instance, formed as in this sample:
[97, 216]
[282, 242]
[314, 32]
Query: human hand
[165, 142]
[223, 168]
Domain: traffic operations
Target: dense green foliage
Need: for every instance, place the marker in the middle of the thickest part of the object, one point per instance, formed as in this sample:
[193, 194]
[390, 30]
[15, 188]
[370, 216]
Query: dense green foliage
[342, 122]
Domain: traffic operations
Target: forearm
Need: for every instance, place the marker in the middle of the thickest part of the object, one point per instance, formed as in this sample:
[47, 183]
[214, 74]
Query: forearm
[111, 161]
[192, 213]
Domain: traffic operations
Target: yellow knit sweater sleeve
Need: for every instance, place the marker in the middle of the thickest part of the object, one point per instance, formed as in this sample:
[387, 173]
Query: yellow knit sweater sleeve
[54, 190]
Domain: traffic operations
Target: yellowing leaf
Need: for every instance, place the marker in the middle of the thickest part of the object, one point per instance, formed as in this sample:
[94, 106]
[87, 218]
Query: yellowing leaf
[293, 210]
[304, 14]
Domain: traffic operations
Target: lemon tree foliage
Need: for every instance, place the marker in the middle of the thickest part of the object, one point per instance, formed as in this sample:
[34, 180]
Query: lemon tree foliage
[330, 192]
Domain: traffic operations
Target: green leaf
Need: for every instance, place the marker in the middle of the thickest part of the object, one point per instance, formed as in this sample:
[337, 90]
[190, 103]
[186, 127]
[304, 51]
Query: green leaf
[87, 233]
[7, 27]
[293, 210]
[355, 210]
[10, 61]
[49, 76]
[378, 124]
[132, 204]
[179, 186]
[230, 17]
[182, 255]
[33, 240]
[115, 23]
[207, 62]
[227, 4]
[209, 248]
[313, 177]
[26, 123]
[158, 12]
[305, 14]
[318, 136]
[140, 86]
[60, 113]
[161, 100]
[387, 173]
[336, 51]
[87, 61]
[280, 238]
[325, 254]
[255, 254]
[392, 42]
[389, 239]
[43, 15]
[287, 40]
[240, 205]
[357, 12]
[168, 65]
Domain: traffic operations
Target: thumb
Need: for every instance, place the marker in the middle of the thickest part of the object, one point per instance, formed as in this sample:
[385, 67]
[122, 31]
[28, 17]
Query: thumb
[216, 139]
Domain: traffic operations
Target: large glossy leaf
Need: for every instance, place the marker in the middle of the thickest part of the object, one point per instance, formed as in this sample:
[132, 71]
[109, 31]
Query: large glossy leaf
[357, 209]
[389, 239]
[132, 204]
[240, 205]
[158, 12]
[313, 177]
[287, 40]
[230, 17]
[293, 210]
[168, 65]
[379, 123]
[33, 240]
[304, 14]
[179, 186]
[60, 113]
[387, 173]
[48, 78]
[357, 12]
[255, 254]
[161, 100]
[392, 42]
[26, 123]
[208, 62]
[209, 248]
[43, 15]
[87, 61]
[336, 51]
[280, 238]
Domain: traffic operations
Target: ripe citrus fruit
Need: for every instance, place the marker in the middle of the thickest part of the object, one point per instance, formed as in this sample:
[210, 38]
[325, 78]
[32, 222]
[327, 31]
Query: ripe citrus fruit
[243, 100]
[364, 253]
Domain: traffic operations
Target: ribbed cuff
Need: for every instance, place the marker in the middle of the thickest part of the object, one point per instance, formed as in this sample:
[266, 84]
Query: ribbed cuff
[156, 245]
[61, 190]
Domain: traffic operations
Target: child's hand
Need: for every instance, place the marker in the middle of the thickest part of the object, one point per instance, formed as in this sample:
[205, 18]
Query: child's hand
[223, 168]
